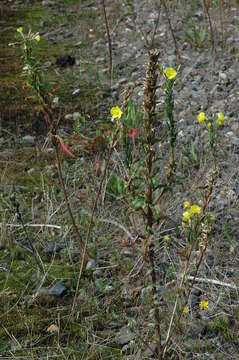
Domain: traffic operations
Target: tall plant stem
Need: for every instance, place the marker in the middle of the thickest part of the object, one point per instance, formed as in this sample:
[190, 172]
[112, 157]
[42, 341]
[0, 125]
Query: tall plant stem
[92, 216]
[149, 125]
[206, 7]
[204, 238]
[109, 42]
[50, 121]
[171, 29]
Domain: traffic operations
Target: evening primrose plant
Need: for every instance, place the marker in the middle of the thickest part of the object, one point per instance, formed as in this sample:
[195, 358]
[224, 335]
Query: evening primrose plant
[212, 123]
[33, 76]
[145, 181]
[170, 75]
[32, 71]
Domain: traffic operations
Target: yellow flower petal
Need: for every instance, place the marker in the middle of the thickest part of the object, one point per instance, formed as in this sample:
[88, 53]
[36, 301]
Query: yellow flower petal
[186, 216]
[186, 205]
[185, 309]
[201, 117]
[170, 73]
[37, 37]
[209, 125]
[203, 304]
[20, 29]
[220, 117]
[116, 112]
[194, 209]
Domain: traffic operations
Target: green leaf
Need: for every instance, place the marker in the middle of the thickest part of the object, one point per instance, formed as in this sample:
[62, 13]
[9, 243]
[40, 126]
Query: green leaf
[138, 203]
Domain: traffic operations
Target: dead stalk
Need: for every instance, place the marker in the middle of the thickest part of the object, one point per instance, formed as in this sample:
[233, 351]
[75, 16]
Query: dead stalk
[109, 42]
[149, 125]
[206, 9]
[50, 122]
[92, 216]
[171, 30]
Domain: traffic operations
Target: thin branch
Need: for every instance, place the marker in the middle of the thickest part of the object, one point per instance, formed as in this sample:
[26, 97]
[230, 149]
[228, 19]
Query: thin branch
[50, 121]
[109, 42]
[206, 7]
[211, 281]
[171, 29]
[92, 217]
[32, 225]
[156, 23]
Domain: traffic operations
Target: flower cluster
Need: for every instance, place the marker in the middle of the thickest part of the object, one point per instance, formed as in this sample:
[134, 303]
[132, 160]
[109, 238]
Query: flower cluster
[191, 212]
[202, 118]
[31, 36]
[203, 305]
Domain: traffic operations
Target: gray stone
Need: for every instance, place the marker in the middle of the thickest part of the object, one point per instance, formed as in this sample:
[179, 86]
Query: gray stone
[151, 350]
[91, 264]
[125, 336]
[52, 248]
[58, 290]
[28, 140]
[76, 115]
[48, 3]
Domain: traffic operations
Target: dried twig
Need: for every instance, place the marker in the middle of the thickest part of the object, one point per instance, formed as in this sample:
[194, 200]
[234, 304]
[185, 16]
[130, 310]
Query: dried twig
[206, 9]
[32, 225]
[92, 216]
[171, 29]
[211, 281]
[109, 42]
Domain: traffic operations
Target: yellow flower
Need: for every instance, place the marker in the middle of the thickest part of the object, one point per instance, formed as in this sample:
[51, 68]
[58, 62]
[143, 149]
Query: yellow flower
[166, 238]
[203, 304]
[20, 29]
[186, 205]
[186, 216]
[116, 112]
[209, 125]
[170, 73]
[185, 309]
[194, 209]
[220, 116]
[201, 117]
[37, 37]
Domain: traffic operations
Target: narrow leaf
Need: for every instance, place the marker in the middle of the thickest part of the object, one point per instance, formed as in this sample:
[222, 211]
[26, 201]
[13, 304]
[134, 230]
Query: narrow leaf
[65, 148]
